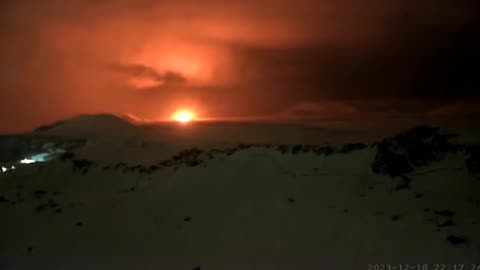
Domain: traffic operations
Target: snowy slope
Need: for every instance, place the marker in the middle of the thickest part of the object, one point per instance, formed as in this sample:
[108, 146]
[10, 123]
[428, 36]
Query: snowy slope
[151, 205]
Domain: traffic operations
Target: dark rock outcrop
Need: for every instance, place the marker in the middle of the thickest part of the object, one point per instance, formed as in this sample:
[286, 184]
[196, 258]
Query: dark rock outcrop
[416, 147]
[38, 194]
[456, 240]
[473, 161]
[283, 149]
[67, 155]
[444, 213]
[323, 150]
[350, 147]
[296, 149]
[3, 199]
[82, 164]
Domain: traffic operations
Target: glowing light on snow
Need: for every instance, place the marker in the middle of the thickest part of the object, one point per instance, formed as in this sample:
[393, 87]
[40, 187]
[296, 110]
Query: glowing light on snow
[27, 161]
[40, 157]
[4, 169]
[36, 158]
[183, 116]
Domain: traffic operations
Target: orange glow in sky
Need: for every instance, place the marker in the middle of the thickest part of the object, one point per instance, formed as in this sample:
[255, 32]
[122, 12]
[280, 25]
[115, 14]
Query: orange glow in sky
[184, 116]
[195, 62]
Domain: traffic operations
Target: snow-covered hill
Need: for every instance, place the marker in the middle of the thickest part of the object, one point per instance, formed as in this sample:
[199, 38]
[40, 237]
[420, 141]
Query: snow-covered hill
[158, 197]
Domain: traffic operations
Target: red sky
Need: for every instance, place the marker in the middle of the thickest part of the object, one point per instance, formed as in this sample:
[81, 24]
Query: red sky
[330, 58]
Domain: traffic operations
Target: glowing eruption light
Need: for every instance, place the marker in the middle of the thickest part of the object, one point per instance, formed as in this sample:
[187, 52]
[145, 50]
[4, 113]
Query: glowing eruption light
[183, 116]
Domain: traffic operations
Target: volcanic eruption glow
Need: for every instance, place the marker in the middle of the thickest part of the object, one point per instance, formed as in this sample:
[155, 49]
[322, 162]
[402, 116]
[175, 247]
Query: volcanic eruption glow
[184, 116]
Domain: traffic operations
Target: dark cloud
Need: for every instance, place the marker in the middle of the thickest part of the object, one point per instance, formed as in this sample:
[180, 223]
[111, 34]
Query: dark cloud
[406, 62]
[144, 77]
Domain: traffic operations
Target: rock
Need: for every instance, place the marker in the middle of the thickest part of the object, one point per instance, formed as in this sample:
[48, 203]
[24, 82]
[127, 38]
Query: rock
[144, 170]
[38, 194]
[456, 240]
[166, 163]
[193, 162]
[473, 161]
[405, 184]
[121, 165]
[67, 155]
[230, 151]
[307, 148]
[52, 204]
[282, 149]
[82, 164]
[296, 149]
[390, 163]
[323, 150]
[416, 147]
[445, 213]
[153, 168]
[347, 148]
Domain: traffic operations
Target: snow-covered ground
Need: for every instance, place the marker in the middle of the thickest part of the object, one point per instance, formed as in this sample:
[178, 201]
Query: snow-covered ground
[158, 197]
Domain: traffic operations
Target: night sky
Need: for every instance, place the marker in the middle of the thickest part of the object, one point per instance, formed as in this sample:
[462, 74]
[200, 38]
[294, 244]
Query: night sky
[303, 59]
